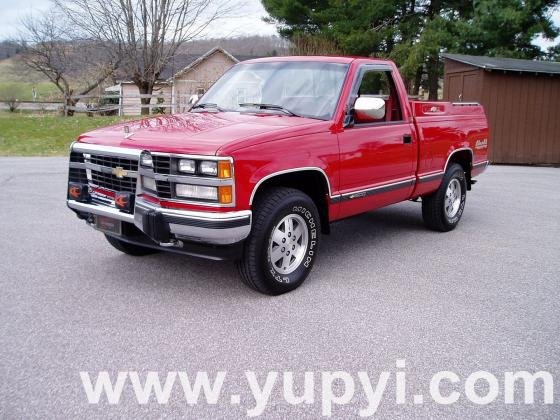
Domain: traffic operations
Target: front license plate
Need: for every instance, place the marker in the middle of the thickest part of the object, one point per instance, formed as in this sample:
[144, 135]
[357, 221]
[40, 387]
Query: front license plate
[106, 224]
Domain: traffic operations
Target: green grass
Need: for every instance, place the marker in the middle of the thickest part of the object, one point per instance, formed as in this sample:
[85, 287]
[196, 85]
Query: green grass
[24, 134]
[18, 82]
[24, 91]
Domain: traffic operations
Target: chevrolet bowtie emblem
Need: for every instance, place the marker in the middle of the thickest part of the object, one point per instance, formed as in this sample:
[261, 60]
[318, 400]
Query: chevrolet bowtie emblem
[119, 172]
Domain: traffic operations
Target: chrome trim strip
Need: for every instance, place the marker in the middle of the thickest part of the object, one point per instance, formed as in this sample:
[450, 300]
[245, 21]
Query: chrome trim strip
[483, 163]
[202, 215]
[429, 174]
[101, 210]
[455, 151]
[198, 203]
[188, 156]
[434, 176]
[106, 150]
[287, 171]
[195, 180]
[379, 189]
[100, 168]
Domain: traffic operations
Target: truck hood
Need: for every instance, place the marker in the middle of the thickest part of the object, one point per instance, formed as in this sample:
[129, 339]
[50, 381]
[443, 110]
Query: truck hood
[202, 133]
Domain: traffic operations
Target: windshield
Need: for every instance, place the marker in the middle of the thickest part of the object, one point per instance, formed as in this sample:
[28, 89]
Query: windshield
[307, 89]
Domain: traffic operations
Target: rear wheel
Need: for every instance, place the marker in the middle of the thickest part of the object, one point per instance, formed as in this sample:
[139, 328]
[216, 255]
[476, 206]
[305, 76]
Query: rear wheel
[128, 248]
[281, 249]
[443, 209]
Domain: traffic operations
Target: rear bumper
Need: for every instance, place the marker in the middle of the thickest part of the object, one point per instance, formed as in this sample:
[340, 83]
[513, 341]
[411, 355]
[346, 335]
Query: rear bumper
[172, 228]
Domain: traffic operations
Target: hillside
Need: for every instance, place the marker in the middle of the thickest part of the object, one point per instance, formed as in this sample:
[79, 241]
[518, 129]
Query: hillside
[18, 82]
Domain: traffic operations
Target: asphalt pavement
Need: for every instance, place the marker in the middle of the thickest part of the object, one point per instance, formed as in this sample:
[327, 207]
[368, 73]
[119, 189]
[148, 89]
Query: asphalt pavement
[483, 297]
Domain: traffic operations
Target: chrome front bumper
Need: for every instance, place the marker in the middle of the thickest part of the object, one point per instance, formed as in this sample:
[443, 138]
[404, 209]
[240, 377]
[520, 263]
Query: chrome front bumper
[213, 228]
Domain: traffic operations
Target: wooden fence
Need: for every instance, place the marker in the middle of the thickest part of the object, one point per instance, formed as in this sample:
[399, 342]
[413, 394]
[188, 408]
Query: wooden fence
[112, 104]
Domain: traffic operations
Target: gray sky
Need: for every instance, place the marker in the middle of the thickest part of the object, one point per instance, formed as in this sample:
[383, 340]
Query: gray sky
[249, 23]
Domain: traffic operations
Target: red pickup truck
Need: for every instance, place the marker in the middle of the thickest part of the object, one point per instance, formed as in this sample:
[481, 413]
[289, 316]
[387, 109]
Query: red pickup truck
[273, 153]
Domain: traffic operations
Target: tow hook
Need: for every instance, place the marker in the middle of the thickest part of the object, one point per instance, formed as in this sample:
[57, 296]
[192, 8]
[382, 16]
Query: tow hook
[171, 243]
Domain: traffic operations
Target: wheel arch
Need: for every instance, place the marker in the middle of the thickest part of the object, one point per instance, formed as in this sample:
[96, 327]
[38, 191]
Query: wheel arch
[312, 181]
[463, 156]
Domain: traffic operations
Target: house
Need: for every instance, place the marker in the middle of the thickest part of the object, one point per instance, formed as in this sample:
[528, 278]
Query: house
[197, 76]
[184, 76]
[521, 99]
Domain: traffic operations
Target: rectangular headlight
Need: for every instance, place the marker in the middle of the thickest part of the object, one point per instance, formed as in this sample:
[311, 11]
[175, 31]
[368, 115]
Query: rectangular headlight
[187, 165]
[208, 167]
[149, 183]
[197, 191]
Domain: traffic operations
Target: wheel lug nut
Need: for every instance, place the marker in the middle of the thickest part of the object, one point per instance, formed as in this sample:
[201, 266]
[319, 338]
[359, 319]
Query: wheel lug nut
[283, 249]
[283, 240]
[293, 247]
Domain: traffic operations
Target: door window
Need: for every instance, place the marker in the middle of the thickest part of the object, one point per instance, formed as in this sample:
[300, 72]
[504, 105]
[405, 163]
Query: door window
[379, 84]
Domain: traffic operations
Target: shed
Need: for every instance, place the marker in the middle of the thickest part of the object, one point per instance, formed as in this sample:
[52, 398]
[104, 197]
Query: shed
[522, 103]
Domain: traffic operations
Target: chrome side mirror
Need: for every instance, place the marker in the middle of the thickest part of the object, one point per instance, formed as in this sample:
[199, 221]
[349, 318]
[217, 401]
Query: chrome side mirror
[368, 109]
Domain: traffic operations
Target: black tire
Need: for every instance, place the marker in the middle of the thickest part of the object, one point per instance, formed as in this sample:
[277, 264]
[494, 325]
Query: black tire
[128, 248]
[434, 205]
[274, 207]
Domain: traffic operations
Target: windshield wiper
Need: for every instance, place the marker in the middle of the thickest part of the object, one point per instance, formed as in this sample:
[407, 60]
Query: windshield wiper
[269, 106]
[209, 106]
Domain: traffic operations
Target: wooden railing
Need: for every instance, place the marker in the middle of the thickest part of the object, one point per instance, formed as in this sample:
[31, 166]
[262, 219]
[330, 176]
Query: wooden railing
[109, 104]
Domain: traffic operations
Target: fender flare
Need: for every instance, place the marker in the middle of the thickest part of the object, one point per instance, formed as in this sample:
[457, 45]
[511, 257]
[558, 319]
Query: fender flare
[287, 171]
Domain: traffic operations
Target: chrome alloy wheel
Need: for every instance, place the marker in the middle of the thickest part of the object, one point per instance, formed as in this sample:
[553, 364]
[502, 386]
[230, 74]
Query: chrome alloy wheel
[288, 244]
[452, 200]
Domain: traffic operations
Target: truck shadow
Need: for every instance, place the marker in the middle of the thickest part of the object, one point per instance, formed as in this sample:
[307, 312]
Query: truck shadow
[194, 275]
[373, 228]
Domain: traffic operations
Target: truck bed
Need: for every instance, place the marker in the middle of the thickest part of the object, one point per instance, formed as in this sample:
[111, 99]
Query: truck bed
[443, 128]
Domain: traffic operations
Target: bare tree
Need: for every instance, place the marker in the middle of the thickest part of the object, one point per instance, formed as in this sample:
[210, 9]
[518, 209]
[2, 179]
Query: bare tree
[9, 94]
[75, 65]
[146, 33]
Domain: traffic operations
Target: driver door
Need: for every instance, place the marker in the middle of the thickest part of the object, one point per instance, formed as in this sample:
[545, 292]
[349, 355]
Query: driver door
[376, 156]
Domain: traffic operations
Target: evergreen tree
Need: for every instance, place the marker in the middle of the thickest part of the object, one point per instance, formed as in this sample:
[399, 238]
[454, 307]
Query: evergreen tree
[414, 33]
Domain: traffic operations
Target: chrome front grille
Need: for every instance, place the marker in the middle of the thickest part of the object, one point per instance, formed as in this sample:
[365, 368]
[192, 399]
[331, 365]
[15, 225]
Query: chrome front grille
[77, 175]
[111, 182]
[162, 164]
[112, 172]
[164, 189]
[114, 162]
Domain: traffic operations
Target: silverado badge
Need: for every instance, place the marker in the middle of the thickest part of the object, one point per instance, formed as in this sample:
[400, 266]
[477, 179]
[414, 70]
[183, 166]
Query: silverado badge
[119, 172]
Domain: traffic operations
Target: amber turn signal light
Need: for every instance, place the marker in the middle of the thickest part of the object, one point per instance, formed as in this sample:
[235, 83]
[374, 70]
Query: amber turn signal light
[224, 169]
[225, 194]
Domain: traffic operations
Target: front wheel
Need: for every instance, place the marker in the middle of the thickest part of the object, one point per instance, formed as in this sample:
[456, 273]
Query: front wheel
[443, 209]
[282, 247]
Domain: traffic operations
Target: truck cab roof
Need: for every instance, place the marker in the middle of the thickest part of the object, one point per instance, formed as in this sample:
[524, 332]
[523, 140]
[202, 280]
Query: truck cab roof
[319, 58]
